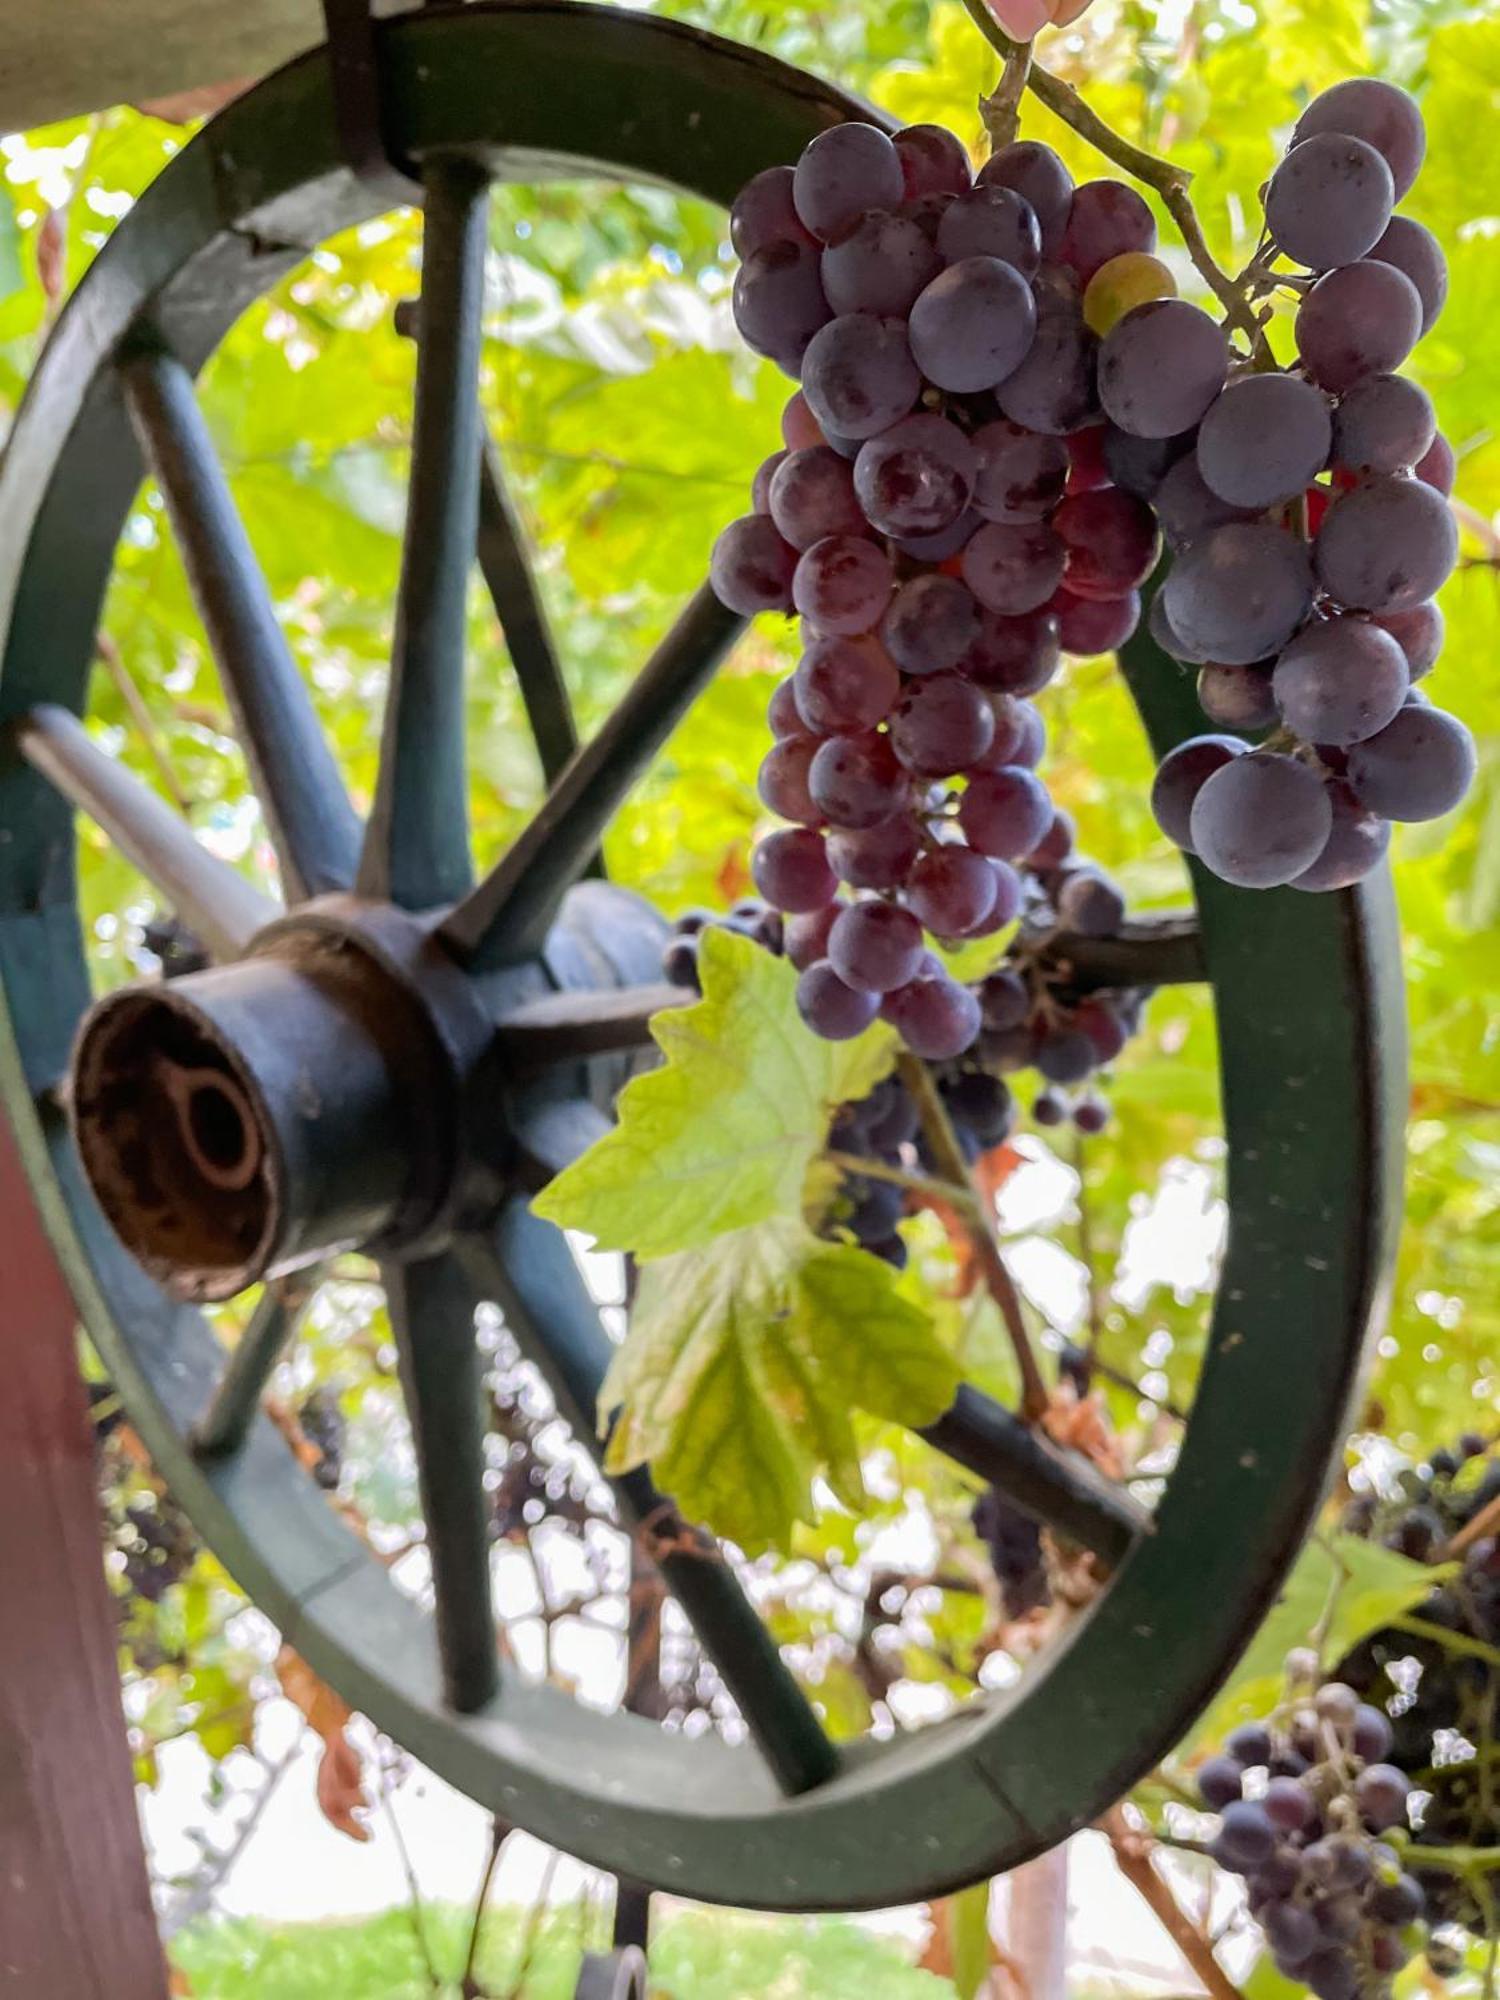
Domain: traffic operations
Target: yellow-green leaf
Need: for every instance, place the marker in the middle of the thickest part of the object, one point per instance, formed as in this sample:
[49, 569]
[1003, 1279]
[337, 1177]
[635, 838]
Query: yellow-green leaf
[743, 1367]
[722, 1135]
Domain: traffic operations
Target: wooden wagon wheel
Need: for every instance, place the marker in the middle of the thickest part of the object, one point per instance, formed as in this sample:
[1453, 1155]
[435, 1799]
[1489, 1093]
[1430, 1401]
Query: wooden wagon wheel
[393, 1061]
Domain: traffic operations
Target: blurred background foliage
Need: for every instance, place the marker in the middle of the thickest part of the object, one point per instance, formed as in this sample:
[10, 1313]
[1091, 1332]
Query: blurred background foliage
[630, 421]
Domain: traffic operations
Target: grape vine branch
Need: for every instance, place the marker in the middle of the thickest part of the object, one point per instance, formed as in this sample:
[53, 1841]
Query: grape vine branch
[1169, 181]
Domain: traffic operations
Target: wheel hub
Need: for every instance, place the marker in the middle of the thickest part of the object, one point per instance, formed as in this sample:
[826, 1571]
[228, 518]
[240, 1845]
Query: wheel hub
[326, 1092]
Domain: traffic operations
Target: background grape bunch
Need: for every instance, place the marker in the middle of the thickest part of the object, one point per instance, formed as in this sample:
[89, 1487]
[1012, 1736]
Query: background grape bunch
[1004, 411]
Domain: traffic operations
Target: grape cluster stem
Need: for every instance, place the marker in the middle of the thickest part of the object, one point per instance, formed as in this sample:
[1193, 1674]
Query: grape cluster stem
[1132, 1854]
[942, 1143]
[1168, 181]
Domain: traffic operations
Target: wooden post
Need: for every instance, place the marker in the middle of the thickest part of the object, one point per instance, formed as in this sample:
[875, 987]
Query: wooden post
[76, 1921]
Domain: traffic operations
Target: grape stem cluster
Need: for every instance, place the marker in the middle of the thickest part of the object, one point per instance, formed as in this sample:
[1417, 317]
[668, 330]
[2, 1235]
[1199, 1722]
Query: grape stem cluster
[1000, 113]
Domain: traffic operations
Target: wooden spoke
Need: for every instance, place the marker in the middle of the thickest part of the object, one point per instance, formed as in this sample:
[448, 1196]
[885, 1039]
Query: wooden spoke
[1164, 949]
[506, 565]
[431, 1305]
[525, 1265]
[312, 824]
[223, 1426]
[566, 1026]
[511, 911]
[1059, 1488]
[416, 849]
[216, 903]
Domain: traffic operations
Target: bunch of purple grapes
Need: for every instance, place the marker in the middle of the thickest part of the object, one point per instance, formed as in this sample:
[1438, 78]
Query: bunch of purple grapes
[1013, 1541]
[1303, 1801]
[1442, 1697]
[944, 522]
[1308, 517]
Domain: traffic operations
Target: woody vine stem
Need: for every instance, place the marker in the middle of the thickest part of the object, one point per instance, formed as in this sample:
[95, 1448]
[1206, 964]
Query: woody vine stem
[1001, 113]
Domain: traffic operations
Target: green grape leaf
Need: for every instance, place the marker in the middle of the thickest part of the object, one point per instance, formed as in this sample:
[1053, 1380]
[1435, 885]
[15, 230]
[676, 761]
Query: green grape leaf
[744, 1364]
[723, 1134]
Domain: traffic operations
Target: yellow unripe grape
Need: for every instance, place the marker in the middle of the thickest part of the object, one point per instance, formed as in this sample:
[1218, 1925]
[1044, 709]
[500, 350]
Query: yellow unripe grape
[1123, 283]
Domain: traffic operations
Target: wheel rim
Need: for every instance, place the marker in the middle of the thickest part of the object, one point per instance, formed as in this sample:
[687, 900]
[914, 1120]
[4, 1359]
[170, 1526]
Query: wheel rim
[1307, 992]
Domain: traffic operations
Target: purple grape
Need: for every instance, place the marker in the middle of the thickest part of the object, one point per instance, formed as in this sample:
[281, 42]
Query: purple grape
[1439, 467]
[935, 1016]
[858, 375]
[835, 1012]
[1014, 655]
[1091, 905]
[1373, 1734]
[782, 713]
[1380, 1792]
[939, 547]
[1363, 319]
[812, 495]
[1419, 767]
[933, 161]
[1170, 641]
[805, 936]
[1161, 367]
[1055, 845]
[1050, 1107]
[941, 726]
[972, 326]
[843, 687]
[1385, 424]
[1091, 1116]
[878, 857]
[751, 568]
[1104, 1027]
[1265, 439]
[1004, 999]
[1139, 465]
[778, 301]
[983, 1103]
[760, 486]
[879, 266]
[1020, 734]
[1387, 546]
[931, 623]
[915, 478]
[1021, 474]
[1287, 1805]
[1329, 201]
[1290, 1931]
[1419, 634]
[1400, 1902]
[875, 946]
[1251, 1744]
[1005, 813]
[1237, 697]
[783, 780]
[1111, 541]
[1063, 1055]
[952, 890]
[1106, 219]
[1239, 592]
[1010, 894]
[763, 213]
[857, 783]
[841, 173]
[1054, 389]
[1417, 252]
[1260, 820]
[1246, 1833]
[1037, 174]
[1331, 1975]
[1088, 626]
[791, 870]
[1187, 508]
[1340, 682]
[799, 427]
[1380, 114]
[1180, 777]
[843, 584]
[992, 221]
[1014, 567]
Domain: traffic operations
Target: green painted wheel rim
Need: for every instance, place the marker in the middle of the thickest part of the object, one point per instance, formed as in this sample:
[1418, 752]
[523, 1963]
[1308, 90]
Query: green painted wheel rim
[1310, 1018]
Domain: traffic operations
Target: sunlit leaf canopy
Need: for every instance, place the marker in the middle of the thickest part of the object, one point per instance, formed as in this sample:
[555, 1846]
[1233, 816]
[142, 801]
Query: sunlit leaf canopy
[631, 420]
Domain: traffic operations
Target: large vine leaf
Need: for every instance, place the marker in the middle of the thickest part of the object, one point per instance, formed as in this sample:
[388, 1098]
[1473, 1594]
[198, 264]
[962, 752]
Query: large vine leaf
[743, 1367]
[723, 1134]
